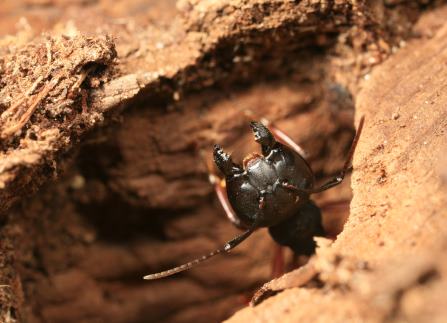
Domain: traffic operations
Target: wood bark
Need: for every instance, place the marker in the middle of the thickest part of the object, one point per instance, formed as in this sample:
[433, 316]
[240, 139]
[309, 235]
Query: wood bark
[104, 118]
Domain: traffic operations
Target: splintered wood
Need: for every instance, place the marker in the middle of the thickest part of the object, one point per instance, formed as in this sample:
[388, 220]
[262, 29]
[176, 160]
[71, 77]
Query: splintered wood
[43, 80]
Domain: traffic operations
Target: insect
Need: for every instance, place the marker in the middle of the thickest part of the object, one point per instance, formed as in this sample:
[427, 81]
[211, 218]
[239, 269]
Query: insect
[273, 190]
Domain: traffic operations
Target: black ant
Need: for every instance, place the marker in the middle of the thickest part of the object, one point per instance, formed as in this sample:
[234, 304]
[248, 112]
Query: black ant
[270, 190]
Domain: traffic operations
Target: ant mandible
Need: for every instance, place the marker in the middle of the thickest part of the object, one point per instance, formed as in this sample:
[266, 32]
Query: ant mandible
[270, 190]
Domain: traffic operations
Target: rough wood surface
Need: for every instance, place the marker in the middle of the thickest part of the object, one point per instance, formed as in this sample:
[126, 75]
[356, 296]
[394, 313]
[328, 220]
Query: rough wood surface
[103, 118]
[397, 223]
[214, 41]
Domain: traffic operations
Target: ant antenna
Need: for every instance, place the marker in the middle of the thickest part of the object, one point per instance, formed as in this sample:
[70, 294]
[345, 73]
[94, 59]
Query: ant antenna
[226, 248]
[339, 178]
[354, 143]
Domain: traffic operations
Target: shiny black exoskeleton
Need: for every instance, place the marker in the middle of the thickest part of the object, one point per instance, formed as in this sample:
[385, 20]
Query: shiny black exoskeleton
[272, 190]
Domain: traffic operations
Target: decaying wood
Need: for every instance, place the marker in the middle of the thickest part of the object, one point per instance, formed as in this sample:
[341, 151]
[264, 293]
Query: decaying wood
[147, 70]
[179, 79]
[397, 224]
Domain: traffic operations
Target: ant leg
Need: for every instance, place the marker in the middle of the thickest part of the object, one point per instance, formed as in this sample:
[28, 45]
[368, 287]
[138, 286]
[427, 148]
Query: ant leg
[296, 278]
[219, 188]
[278, 264]
[339, 178]
[283, 137]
